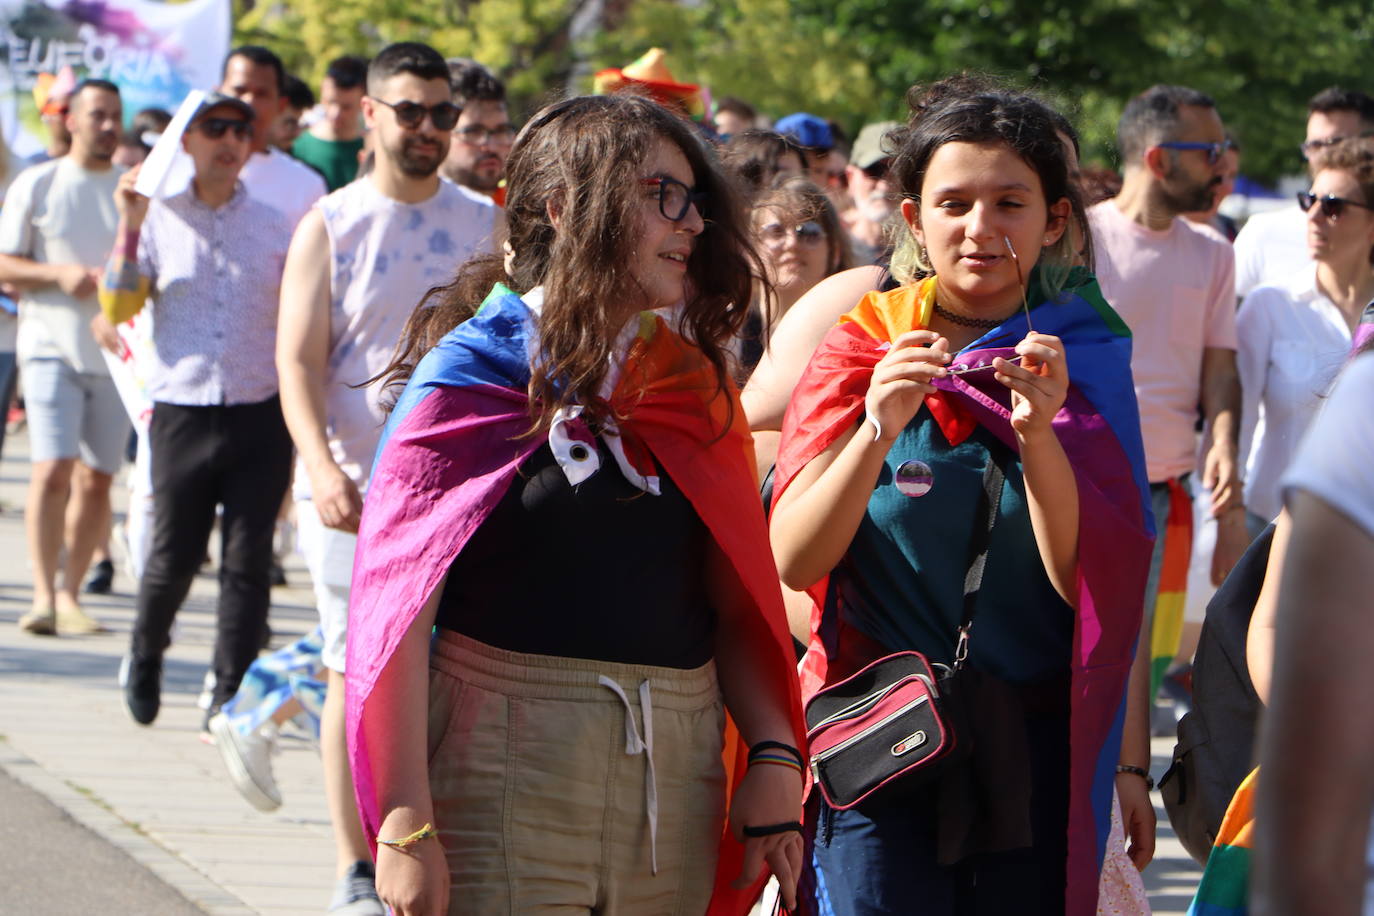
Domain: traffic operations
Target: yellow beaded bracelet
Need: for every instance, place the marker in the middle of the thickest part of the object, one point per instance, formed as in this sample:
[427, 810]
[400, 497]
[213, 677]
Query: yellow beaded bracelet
[406, 842]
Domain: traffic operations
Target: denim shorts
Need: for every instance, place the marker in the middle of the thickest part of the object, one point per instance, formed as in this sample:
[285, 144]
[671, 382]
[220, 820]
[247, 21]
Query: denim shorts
[546, 798]
[73, 415]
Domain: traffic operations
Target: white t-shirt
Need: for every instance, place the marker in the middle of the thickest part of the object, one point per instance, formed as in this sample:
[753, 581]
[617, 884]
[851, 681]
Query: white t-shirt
[384, 256]
[1293, 341]
[1271, 249]
[1174, 288]
[1333, 463]
[60, 213]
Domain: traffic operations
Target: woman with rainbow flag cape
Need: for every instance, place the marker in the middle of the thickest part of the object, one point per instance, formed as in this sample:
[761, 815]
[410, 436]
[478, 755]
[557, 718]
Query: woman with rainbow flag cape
[565, 496]
[1005, 353]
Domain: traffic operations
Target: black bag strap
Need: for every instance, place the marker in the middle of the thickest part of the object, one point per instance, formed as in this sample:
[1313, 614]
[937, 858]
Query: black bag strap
[989, 501]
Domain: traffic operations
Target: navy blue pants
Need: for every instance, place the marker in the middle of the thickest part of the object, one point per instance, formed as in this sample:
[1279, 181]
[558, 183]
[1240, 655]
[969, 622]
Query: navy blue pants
[880, 858]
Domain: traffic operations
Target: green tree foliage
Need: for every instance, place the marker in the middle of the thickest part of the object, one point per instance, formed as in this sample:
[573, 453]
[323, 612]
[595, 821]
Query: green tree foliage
[852, 60]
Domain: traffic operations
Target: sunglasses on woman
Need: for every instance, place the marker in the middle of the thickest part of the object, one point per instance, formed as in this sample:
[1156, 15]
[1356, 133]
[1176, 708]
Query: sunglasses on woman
[674, 198]
[809, 234]
[214, 128]
[411, 115]
[1332, 206]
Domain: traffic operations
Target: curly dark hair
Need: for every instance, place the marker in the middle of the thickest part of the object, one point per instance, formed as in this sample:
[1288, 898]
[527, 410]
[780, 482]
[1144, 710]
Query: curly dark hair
[585, 156]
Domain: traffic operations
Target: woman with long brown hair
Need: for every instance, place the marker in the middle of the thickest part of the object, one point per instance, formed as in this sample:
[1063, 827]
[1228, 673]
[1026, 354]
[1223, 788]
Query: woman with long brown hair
[564, 493]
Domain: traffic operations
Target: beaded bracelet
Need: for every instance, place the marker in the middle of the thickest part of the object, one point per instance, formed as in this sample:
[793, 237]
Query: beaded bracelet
[406, 842]
[1138, 771]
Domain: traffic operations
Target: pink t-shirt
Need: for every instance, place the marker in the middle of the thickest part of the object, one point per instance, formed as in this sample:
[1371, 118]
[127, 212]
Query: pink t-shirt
[1175, 288]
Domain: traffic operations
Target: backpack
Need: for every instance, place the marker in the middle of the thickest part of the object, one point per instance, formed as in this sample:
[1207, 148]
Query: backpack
[1215, 749]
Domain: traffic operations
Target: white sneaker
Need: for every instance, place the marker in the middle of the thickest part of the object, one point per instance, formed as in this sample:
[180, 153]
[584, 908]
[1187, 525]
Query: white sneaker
[249, 761]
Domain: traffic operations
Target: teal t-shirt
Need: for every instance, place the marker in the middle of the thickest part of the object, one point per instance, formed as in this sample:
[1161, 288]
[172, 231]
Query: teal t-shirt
[902, 580]
[336, 160]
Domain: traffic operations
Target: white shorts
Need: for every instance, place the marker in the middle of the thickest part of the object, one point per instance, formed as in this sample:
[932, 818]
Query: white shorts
[328, 555]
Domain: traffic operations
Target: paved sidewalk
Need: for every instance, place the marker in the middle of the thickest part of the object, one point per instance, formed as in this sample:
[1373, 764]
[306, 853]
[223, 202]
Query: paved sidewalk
[158, 793]
[162, 795]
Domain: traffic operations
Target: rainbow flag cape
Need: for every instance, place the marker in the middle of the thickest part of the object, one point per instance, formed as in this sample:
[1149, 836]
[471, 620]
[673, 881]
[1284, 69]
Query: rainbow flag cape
[1099, 428]
[1166, 630]
[1224, 888]
[450, 450]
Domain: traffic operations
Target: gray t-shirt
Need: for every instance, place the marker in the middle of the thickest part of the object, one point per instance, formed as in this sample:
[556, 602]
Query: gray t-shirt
[60, 213]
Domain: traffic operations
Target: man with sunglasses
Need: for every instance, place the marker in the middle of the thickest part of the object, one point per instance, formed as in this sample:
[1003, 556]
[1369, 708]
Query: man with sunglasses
[866, 177]
[209, 260]
[483, 135]
[360, 262]
[1172, 281]
[255, 76]
[1272, 246]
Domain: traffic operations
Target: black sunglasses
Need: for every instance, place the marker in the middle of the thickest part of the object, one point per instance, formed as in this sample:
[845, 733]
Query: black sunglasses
[214, 128]
[674, 198]
[877, 171]
[411, 115]
[1332, 206]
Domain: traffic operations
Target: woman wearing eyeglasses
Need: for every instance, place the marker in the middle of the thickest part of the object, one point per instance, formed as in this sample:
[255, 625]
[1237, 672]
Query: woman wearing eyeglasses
[564, 494]
[800, 238]
[1294, 337]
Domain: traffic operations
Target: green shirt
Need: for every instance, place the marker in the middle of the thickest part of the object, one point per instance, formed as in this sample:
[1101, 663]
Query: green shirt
[336, 160]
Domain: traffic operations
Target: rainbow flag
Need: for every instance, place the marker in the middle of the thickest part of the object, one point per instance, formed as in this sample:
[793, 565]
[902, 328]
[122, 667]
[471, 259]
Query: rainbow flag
[1099, 428]
[1166, 632]
[450, 450]
[1224, 888]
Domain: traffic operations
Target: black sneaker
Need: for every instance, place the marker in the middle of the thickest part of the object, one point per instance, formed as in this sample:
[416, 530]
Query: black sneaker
[101, 580]
[142, 681]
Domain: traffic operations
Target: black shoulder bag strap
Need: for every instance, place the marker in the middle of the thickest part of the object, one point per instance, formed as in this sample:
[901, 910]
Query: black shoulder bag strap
[989, 501]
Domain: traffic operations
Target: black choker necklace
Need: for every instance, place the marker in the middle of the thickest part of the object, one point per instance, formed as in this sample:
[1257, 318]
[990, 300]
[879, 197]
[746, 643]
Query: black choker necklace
[966, 321]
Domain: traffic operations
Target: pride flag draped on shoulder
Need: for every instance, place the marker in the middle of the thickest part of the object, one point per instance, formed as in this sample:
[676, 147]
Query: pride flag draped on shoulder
[452, 446]
[1099, 429]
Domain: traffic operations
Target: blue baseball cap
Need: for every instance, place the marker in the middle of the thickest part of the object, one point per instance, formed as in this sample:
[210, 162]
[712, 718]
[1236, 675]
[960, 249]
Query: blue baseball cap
[807, 130]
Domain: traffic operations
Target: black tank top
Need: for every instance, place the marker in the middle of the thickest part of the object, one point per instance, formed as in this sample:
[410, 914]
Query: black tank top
[602, 571]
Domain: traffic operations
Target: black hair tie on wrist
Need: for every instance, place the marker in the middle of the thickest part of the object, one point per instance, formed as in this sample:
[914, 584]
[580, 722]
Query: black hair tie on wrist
[776, 746]
[773, 829]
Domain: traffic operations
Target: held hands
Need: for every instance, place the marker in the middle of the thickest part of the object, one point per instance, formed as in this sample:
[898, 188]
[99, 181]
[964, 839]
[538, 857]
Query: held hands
[132, 206]
[1038, 385]
[769, 795]
[902, 379]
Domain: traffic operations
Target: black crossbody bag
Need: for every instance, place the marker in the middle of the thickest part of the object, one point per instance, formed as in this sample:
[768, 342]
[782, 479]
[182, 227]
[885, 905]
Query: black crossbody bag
[901, 720]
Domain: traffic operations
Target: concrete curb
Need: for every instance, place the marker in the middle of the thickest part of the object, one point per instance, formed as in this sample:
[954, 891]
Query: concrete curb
[94, 814]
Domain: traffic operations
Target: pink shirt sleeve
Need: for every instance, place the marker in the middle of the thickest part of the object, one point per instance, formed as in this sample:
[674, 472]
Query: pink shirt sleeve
[1220, 332]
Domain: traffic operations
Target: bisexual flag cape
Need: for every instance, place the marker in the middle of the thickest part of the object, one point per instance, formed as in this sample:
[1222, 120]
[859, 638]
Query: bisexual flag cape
[450, 450]
[1099, 429]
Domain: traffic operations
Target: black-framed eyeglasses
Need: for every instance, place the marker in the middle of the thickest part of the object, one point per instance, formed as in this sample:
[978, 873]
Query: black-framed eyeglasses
[1331, 206]
[674, 198]
[478, 135]
[215, 128]
[1310, 148]
[810, 234]
[1214, 150]
[411, 115]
